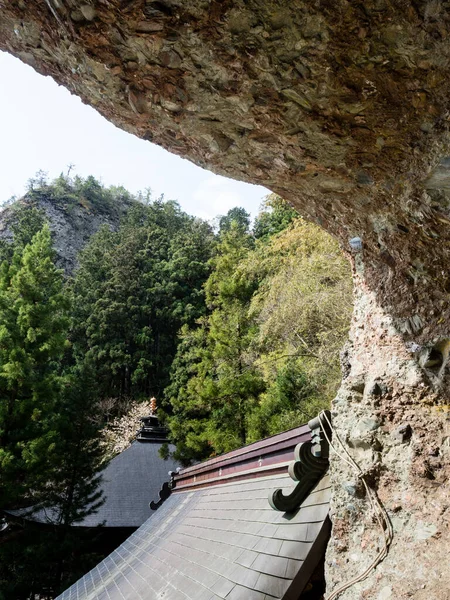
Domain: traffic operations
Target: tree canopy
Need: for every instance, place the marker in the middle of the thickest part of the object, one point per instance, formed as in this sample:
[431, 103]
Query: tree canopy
[49, 451]
[34, 316]
[265, 357]
[237, 333]
[134, 290]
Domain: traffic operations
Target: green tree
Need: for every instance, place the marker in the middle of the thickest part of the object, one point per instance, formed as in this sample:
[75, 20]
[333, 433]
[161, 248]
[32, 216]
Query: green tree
[302, 306]
[236, 384]
[50, 456]
[35, 559]
[266, 356]
[133, 291]
[275, 215]
[77, 461]
[214, 385]
[290, 399]
[184, 410]
[34, 317]
[237, 215]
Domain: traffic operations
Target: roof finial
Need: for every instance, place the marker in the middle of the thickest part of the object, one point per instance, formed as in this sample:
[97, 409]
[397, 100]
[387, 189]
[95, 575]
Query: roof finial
[153, 407]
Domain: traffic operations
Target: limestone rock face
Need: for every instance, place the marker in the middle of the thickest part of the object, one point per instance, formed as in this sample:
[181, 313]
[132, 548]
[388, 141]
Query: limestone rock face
[342, 107]
[72, 223]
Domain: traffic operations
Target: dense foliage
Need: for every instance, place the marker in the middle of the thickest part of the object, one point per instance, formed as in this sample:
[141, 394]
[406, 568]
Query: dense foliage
[266, 356]
[33, 336]
[236, 332]
[49, 453]
[134, 290]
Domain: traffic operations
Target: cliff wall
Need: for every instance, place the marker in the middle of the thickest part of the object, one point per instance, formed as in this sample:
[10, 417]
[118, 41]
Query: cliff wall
[72, 222]
[341, 107]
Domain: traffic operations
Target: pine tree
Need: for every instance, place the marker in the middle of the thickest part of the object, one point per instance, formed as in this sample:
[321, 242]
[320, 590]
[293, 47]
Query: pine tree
[33, 336]
[134, 290]
[234, 389]
[77, 460]
[50, 457]
[184, 410]
[214, 386]
[291, 399]
[48, 559]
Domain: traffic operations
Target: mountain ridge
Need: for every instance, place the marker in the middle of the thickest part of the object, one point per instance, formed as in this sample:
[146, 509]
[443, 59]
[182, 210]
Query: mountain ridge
[73, 218]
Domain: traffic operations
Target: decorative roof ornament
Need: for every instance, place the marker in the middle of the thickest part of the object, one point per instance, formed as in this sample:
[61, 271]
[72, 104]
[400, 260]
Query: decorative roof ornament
[311, 463]
[165, 491]
[151, 429]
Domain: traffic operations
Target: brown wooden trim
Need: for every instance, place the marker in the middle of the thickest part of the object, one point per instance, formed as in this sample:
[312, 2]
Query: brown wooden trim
[236, 465]
[277, 469]
[232, 470]
[263, 446]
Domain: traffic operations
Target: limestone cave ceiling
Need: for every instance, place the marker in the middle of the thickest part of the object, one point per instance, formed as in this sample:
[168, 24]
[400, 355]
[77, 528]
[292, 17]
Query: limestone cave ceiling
[339, 106]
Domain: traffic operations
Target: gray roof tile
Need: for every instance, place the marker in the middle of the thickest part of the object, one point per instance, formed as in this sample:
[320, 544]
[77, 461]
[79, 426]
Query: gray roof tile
[223, 587]
[242, 576]
[210, 545]
[247, 558]
[274, 586]
[242, 593]
[268, 546]
[129, 483]
[294, 549]
[292, 568]
[271, 565]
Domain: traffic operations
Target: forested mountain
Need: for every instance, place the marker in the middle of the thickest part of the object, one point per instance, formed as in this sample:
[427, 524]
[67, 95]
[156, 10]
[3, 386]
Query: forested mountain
[74, 207]
[236, 332]
[69, 342]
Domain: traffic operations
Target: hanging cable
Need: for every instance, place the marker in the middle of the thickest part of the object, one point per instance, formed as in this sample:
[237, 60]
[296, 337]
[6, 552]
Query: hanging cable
[378, 509]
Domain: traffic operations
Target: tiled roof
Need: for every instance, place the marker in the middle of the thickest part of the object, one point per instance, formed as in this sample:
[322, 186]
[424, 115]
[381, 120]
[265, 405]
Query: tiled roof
[217, 537]
[130, 482]
[215, 543]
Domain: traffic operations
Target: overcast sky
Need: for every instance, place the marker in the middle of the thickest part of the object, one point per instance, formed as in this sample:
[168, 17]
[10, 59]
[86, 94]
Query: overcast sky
[43, 126]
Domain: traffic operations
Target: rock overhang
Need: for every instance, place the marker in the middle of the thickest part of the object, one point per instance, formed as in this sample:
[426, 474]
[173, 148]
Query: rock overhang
[340, 107]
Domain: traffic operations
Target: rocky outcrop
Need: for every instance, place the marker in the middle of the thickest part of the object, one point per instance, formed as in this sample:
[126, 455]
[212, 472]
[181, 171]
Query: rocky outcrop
[342, 108]
[72, 222]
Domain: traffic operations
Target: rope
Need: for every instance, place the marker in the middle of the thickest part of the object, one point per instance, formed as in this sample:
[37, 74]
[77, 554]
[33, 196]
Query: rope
[379, 510]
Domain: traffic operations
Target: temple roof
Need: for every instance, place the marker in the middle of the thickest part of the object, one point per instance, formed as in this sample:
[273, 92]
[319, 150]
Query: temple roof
[129, 483]
[216, 536]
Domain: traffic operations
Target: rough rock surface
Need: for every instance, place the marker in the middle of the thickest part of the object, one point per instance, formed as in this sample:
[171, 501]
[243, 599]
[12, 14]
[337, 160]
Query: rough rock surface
[72, 223]
[342, 107]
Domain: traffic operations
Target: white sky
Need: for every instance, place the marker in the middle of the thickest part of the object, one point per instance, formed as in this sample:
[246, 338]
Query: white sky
[43, 126]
